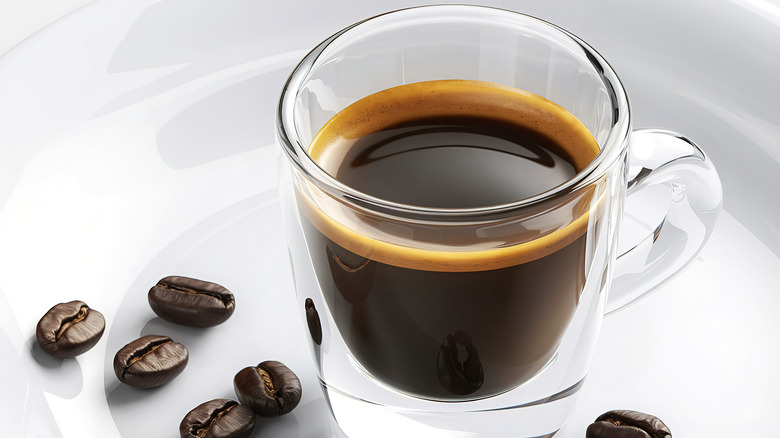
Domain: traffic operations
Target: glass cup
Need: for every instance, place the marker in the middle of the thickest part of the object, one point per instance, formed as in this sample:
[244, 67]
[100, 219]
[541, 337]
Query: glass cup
[477, 322]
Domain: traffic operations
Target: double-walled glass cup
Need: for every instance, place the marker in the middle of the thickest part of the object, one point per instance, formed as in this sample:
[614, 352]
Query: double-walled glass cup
[477, 322]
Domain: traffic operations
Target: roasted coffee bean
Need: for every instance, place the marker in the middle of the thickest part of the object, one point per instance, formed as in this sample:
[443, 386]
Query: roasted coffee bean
[191, 302]
[219, 418]
[69, 329]
[456, 375]
[627, 424]
[313, 320]
[150, 361]
[270, 388]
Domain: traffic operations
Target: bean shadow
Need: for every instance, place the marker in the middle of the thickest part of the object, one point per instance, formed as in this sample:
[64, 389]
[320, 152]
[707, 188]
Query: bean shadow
[192, 337]
[123, 395]
[61, 377]
[308, 420]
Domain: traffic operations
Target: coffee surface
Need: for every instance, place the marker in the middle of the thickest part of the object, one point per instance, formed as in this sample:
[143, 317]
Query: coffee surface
[453, 144]
[440, 312]
[454, 162]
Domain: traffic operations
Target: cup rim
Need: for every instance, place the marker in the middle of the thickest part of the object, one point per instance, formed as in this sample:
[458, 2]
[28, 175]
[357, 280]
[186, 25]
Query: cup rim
[612, 150]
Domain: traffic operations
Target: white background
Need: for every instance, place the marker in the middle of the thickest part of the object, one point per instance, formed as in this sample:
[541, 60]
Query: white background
[21, 18]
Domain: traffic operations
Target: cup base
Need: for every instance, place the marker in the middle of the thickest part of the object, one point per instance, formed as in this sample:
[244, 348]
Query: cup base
[359, 418]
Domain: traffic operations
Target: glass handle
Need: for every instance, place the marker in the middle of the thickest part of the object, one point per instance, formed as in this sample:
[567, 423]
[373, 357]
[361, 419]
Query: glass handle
[673, 200]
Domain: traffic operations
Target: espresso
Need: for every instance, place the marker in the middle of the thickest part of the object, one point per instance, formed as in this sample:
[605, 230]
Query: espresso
[438, 310]
[453, 162]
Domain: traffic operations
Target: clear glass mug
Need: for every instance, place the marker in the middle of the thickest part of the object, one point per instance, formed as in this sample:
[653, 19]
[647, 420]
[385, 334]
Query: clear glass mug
[401, 356]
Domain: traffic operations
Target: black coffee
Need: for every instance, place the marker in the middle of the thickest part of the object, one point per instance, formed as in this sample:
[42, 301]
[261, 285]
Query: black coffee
[417, 307]
[454, 162]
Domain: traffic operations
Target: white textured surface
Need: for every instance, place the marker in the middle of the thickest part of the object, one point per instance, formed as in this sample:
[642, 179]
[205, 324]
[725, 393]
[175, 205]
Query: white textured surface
[21, 18]
[136, 138]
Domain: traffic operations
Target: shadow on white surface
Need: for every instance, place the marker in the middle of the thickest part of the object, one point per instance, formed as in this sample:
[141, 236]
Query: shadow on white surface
[60, 377]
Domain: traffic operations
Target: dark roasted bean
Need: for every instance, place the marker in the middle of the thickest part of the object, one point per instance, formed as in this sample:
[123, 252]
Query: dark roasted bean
[627, 424]
[459, 375]
[270, 389]
[69, 329]
[191, 302]
[313, 320]
[219, 418]
[605, 429]
[150, 361]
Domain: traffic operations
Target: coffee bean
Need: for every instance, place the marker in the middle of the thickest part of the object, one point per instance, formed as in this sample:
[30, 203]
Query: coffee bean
[69, 329]
[627, 424]
[270, 389]
[313, 320]
[459, 377]
[218, 418]
[191, 302]
[150, 361]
